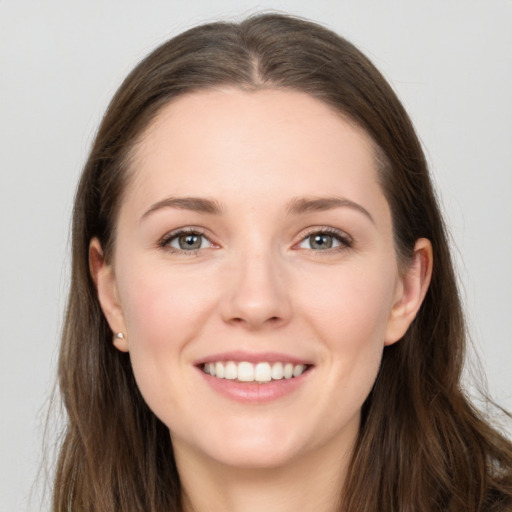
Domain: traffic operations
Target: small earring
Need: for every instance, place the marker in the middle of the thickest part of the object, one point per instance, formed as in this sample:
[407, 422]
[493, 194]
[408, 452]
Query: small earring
[120, 342]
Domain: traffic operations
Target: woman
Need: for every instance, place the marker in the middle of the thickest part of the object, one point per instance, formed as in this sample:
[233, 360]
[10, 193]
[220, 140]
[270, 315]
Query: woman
[263, 310]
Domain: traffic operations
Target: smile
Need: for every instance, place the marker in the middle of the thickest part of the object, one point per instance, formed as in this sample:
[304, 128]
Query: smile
[260, 372]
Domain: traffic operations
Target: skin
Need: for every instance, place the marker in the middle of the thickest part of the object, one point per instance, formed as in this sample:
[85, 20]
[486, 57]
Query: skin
[257, 284]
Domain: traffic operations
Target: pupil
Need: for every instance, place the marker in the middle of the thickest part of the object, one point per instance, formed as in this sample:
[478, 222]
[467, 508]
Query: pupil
[321, 242]
[190, 242]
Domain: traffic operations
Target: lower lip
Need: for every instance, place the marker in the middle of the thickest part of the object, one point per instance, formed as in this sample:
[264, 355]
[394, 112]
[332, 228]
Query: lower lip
[254, 392]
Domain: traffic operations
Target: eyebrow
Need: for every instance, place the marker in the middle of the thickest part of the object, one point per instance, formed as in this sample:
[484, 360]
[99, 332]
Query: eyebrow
[320, 204]
[195, 204]
[297, 206]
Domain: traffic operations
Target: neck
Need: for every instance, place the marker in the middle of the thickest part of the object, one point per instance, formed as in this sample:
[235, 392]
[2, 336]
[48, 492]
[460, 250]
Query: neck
[311, 483]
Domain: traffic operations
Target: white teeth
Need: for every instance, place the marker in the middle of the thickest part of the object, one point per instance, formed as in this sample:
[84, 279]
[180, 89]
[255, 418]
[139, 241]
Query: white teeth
[277, 371]
[263, 372]
[248, 372]
[245, 372]
[298, 370]
[230, 371]
[219, 370]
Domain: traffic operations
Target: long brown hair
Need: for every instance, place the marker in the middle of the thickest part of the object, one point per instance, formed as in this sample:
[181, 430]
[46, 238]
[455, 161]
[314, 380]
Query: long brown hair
[422, 446]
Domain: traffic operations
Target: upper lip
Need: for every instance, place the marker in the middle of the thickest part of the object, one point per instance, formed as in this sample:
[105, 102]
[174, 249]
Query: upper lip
[252, 357]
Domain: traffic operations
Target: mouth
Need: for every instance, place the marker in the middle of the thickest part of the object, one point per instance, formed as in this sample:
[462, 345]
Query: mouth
[261, 372]
[255, 378]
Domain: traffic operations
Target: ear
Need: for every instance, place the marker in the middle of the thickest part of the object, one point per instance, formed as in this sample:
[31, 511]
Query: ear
[105, 282]
[411, 291]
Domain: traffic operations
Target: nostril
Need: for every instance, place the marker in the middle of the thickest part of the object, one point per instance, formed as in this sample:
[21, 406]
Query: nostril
[273, 320]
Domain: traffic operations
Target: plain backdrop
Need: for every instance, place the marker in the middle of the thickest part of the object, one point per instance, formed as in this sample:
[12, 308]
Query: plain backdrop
[60, 62]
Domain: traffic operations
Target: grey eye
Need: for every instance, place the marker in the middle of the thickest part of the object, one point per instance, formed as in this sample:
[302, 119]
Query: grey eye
[320, 242]
[189, 242]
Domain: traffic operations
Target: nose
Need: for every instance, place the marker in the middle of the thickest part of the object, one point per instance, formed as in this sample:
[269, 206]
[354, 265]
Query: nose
[256, 293]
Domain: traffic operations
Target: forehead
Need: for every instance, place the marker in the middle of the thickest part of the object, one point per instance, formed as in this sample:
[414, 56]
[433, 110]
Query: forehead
[252, 142]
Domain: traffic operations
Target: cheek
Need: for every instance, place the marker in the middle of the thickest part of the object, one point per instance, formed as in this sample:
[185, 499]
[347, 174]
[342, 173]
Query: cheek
[350, 316]
[163, 312]
[352, 307]
[161, 307]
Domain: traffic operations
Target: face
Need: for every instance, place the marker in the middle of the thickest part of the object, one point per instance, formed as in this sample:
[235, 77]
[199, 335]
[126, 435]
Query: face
[254, 242]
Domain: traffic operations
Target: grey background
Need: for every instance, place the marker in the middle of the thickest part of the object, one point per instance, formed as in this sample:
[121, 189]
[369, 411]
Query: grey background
[61, 61]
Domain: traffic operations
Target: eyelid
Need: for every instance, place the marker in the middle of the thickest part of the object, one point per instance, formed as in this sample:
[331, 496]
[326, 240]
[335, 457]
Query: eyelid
[346, 241]
[164, 241]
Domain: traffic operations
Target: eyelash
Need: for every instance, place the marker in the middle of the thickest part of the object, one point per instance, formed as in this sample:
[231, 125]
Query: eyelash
[345, 242]
[175, 235]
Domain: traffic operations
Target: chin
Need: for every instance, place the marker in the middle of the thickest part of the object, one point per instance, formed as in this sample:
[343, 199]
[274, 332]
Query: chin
[253, 455]
[247, 445]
